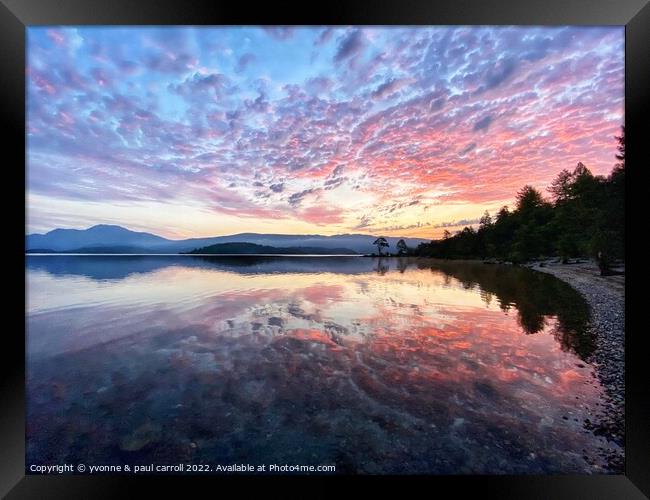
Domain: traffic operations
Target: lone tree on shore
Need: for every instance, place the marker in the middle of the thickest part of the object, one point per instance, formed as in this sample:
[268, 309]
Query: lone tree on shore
[380, 242]
[401, 247]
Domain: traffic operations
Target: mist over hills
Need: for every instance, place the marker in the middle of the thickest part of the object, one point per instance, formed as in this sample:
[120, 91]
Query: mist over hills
[104, 238]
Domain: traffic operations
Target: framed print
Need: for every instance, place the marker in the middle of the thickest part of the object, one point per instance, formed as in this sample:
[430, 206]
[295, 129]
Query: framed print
[366, 241]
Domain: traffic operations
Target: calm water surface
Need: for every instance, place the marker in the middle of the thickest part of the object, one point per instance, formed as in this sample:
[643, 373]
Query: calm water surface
[391, 366]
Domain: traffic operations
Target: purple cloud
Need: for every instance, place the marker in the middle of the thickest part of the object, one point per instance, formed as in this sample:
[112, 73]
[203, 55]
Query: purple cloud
[483, 123]
[350, 47]
[244, 61]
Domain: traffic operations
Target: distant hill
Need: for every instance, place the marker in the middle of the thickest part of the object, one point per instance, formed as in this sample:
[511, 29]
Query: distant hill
[99, 249]
[119, 238]
[252, 248]
[102, 235]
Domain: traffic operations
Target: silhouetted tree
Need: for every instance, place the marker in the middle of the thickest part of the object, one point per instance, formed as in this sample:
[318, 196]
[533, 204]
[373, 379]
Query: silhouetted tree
[402, 248]
[561, 186]
[621, 149]
[380, 243]
[484, 244]
[486, 221]
[616, 199]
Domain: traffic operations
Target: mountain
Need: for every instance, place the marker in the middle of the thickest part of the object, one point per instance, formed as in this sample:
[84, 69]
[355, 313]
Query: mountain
[109, 236]
[100, 235]
[99, 249]
[252, 248]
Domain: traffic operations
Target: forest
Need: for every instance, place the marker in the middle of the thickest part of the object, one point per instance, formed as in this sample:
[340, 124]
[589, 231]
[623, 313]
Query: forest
[583, 216]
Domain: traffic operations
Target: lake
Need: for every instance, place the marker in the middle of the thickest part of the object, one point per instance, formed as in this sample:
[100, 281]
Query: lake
[377, 366]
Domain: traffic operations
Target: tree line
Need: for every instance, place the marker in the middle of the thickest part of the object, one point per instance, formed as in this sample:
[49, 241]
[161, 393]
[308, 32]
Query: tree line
[584, 217]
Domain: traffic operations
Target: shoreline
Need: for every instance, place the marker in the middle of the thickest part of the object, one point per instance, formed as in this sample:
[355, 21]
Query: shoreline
[606, 298]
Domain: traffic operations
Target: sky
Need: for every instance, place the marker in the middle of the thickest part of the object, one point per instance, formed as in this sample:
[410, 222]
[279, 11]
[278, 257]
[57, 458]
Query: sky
[394, 131]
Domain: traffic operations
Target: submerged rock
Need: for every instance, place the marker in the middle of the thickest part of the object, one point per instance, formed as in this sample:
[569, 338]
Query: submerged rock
[144, 435]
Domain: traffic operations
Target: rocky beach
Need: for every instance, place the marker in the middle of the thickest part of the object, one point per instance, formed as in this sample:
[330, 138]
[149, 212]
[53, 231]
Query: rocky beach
[606, 298]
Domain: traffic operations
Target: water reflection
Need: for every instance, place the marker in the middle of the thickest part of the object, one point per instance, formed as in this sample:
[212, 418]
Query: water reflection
[375, 365]
[535, 297]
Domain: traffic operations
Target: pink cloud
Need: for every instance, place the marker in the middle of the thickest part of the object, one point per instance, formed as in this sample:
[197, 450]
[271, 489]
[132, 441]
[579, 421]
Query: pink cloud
[321, 215]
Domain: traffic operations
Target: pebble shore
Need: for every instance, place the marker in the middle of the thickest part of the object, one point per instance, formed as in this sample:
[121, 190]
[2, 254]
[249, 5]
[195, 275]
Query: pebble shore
[606, 298]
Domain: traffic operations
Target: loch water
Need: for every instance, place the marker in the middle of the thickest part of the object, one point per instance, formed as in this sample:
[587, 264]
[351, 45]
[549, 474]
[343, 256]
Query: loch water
[376, 366]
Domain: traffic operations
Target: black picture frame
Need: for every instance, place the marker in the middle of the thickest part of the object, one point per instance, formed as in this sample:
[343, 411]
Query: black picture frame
[17, 15]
